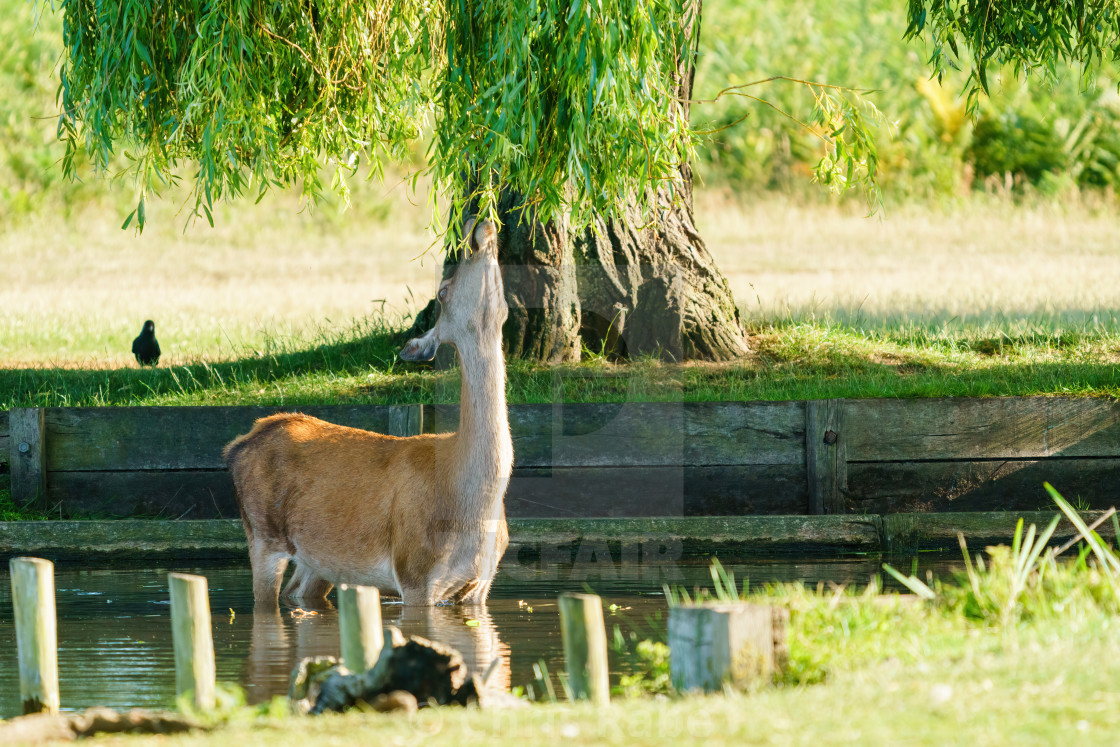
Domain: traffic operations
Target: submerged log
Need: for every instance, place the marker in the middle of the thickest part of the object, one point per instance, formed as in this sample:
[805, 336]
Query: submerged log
[410, 673]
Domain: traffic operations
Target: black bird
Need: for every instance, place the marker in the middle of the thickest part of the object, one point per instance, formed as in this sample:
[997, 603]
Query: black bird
[145, 347]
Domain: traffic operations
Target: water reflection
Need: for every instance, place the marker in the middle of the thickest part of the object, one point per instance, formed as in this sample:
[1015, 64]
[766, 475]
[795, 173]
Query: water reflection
[470, 629]
[115, 636]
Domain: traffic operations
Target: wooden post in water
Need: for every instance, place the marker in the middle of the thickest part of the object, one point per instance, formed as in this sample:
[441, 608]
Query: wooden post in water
[192, 637]
[714, 644]
[585, 647]
[359, 626]
[36, 633]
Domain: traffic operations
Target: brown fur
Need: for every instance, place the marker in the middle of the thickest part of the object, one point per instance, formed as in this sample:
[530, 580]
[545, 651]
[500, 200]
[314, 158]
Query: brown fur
[421, 516]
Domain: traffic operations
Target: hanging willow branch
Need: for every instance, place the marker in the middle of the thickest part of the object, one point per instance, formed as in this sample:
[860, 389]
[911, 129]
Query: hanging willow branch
[572, 103]
[1031, 36]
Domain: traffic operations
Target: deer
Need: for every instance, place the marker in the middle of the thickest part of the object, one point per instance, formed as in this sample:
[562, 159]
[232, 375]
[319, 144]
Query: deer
[421, 517]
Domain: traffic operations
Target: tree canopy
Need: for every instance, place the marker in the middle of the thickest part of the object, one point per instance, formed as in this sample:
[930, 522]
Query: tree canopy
[569, 102]
[572, 103]
[1032, 36]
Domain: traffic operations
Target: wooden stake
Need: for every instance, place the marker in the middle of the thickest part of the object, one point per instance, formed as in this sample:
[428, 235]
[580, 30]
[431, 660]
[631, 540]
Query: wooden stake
[36, 633]
[359, 626]
[585, 646]
[714, 644]
[193, 640]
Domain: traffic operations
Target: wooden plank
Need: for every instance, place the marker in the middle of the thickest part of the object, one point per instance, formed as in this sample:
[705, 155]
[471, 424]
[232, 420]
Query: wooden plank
[826, 461]
[656, 491]
[653, 540]
[533, 492]
[3, 438]
[123, 538]
[585, 492]
[911, 533]
[763, 535]
[159, 494]
[584, 435]
[28, 444]
[632, 434]
[163, 438]
[1012, 485]
[733, 433]
[764, 489]
[990, 428]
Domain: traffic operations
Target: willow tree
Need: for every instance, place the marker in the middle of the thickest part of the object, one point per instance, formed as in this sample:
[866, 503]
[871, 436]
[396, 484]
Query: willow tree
[568, 120]
[1021, 37]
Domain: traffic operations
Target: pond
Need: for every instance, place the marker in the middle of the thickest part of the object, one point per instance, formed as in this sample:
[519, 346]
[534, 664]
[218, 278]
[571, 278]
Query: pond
[114, 628]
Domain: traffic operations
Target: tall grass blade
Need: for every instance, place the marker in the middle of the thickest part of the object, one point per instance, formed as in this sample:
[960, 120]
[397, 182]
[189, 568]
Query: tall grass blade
[913, 583]
[1110, 564]
[969, 569]
[540, 671]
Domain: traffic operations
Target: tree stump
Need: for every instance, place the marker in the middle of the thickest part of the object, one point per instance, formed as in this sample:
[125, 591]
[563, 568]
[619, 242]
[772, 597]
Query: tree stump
[739, 644]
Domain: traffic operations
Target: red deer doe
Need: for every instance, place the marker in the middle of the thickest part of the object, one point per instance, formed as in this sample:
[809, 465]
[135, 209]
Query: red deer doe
[421, 516]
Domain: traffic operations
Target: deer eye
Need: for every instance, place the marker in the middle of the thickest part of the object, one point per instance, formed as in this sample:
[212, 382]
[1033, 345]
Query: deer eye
[442, 293]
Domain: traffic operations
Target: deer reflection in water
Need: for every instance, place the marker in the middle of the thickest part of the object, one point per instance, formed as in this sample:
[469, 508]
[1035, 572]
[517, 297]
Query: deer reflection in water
[282, 637]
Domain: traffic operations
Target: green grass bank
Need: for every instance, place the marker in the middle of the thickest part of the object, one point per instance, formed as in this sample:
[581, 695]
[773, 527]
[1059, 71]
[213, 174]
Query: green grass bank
[791, 360]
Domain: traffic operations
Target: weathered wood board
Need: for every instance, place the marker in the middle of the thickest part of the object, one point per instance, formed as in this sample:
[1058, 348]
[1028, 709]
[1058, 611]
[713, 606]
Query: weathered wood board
[985, 428]
[617, 435]
[4, 443]
[163, 438]
[911, 533]
[636, 459]
[993, 485]
[576, 492]
[633, 434]
[656, 491]
[163, 494]
[539, 548]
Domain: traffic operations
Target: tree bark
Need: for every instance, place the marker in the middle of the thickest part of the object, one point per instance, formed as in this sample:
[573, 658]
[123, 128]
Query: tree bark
[655, 290]
[623, 288]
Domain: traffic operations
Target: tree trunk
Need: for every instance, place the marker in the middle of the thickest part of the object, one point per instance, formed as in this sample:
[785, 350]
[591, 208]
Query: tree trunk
[655, 291]
[539, 275]
[620, 287]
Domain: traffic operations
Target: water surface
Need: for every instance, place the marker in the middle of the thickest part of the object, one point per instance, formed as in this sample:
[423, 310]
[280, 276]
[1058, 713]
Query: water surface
[114, 627]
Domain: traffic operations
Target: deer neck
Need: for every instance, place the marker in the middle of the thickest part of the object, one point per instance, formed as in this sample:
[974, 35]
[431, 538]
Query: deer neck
[483, 440]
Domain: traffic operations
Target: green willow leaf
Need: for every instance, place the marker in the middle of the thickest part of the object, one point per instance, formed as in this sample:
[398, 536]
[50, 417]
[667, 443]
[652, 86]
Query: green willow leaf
[573, 104]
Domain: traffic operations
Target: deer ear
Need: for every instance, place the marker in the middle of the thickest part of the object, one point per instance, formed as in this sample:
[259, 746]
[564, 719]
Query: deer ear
[484, 237]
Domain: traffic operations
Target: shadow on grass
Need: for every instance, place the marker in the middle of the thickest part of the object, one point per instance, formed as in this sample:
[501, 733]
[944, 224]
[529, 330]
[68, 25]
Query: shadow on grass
[789, 362]
[364, 351]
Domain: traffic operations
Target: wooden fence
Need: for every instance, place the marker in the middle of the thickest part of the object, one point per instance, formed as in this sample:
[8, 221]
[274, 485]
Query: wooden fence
[625, 459]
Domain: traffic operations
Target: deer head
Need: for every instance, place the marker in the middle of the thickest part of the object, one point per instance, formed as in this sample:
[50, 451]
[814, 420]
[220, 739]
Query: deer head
[472, 301]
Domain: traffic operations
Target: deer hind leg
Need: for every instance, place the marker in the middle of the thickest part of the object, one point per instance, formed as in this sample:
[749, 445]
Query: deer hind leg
[475, 592]
[304, 584]
[268, 563]
[421, 595]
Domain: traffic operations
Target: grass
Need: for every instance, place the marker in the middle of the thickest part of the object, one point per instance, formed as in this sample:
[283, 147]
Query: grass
[793, 359]
[995, 299]
[1013, 650]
